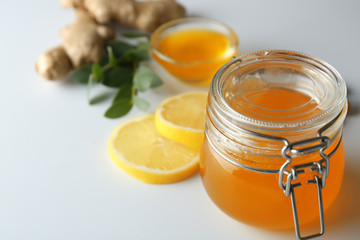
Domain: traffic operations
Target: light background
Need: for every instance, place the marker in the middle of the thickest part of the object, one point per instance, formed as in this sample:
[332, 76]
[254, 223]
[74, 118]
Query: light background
[56, 178]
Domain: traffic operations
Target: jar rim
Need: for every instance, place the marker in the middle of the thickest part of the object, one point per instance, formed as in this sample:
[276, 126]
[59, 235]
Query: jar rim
[225, 74]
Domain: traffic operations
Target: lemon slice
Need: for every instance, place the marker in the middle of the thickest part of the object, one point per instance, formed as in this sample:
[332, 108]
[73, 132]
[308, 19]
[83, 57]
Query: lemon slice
[137, 148]
[182, 118]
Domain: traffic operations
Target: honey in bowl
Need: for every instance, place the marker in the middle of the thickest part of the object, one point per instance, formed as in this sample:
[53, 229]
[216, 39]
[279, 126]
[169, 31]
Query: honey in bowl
[193, 49]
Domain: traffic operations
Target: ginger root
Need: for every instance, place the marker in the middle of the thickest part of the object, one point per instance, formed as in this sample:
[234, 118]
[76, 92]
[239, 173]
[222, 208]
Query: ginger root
[83, 42]
[54, 64]
[143, 15]
[164, 10]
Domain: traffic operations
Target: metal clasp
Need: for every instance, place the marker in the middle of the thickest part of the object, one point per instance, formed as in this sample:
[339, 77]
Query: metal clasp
[320, 144]
[317, 181]
[323, 144]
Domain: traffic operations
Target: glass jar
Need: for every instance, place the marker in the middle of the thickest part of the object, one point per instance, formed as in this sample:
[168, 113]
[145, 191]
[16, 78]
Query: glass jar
[273, 154]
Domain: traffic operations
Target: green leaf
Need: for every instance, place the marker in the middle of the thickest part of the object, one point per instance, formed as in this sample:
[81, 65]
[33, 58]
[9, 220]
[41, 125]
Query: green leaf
[145, 78]
[120, 48]
[112, 58]
[119, 108]
[136, 55]
[142, 81]
[125, 91]
[117, 76]
[141, 103]
[118, 70]
[144, 45]
[140, 53]
[89, 86]
[135, 35]
[155, 81]
[81, 75]
[104, 61]
[97, 72]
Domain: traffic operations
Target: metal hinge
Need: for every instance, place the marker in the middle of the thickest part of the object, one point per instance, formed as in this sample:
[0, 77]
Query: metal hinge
[320, 144]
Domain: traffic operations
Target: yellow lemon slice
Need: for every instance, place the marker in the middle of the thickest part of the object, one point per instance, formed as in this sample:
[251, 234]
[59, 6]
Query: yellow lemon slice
[182, 118]
[136, 146]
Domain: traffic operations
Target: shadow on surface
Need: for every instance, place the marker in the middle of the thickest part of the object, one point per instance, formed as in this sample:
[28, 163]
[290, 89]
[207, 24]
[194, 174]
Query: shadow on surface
[346, 208]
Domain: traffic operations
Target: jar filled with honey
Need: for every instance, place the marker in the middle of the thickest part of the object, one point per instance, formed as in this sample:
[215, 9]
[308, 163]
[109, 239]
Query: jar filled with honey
[273, 154]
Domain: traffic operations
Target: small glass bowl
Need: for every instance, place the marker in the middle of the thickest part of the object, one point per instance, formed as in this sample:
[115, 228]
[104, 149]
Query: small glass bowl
[194, 72]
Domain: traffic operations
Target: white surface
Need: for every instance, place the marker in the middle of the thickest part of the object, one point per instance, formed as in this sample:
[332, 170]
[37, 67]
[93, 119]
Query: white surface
[56, 178]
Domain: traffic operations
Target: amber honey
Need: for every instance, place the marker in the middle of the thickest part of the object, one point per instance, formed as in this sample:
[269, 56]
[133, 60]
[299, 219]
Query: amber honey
[193, 49]
[272, 93]
[255, 198]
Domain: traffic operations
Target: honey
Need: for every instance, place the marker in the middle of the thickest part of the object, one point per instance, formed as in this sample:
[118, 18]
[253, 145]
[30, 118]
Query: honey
[194, 51]
[254, 198]
[194, 45]
[273, 155]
